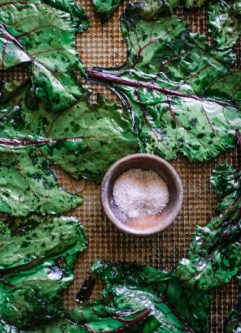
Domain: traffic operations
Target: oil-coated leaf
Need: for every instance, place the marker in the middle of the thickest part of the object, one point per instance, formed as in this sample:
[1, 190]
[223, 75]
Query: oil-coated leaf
[83, 140]
[215, 253]
[194, 3]
[225, 22]
[174, 308]
[25, 242]
[105, 8]
[152, 9]
[39, 35]
[27, 184]
[165, 84]
[37, 263]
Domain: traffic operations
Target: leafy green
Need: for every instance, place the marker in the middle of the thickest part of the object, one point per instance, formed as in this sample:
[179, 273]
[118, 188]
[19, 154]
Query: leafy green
[215, 252]
[105, 8]
[37, 262]
[40, 36]
[83, 140]
[30, 240]
[165, 86]
[194, 3]
[225, 22]
[174, 308]
[152, 9]
[233, 323]
[227, 87]
[27, 184]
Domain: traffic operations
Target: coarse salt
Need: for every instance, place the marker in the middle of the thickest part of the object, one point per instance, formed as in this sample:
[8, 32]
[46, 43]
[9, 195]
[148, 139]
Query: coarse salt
[139, 192]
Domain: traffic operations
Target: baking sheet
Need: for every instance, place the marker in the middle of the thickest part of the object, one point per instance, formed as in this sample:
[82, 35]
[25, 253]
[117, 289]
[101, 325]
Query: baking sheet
[103, 46]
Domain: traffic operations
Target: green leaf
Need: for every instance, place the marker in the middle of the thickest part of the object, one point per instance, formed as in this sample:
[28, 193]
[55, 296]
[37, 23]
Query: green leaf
[27, 184]
[26, 242]
[40, 36]
[215, 257]
[173, 306]
[105, 8]
[225, 22]
[152, 9]
[228, 87]
[233, 324]
[166, 84]
[83, 140]
[37, 263]
[77, 15]
[194, 3]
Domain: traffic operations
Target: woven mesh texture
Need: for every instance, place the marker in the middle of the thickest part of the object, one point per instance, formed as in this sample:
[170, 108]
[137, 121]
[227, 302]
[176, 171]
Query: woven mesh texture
[102, 45]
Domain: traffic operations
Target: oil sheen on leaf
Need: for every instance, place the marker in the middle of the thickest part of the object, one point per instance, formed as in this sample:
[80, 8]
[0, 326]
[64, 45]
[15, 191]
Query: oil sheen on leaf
[39, 35]
[225, 22]
[165, 86]
[215, 252]
[105, 8]
[152, 9]
[83, 140]
[194, 3]
[173, 306]
[27, 184]
[37, 262]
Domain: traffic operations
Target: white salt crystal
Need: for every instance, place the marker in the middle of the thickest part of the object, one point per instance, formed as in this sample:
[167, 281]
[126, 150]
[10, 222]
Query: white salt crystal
[139, 192]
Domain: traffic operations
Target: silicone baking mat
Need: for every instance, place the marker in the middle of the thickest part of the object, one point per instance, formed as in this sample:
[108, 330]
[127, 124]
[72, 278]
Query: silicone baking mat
[102, 45]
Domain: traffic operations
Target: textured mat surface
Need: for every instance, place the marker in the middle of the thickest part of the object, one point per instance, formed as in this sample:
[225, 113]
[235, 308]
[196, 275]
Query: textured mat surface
[103, 46]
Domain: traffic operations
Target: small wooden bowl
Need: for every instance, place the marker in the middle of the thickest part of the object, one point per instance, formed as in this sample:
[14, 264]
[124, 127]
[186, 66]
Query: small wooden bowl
[148, 224]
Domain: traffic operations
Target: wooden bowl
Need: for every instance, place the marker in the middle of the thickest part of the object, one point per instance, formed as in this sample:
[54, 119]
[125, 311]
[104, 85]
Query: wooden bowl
[148, 224]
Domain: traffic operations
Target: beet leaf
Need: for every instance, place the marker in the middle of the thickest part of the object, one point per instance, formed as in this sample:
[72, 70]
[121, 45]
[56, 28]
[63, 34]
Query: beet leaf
[225, 22]
[215, 252]
[39, 36]
[83, 140]
[165, 86]
[37, 263]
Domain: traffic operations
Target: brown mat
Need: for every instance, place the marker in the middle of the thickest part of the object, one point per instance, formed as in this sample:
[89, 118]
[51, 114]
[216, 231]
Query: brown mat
[103, 46]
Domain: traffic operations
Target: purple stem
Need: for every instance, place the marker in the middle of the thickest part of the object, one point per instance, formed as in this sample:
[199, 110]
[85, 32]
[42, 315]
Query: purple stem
[93, 74]
[19, 143]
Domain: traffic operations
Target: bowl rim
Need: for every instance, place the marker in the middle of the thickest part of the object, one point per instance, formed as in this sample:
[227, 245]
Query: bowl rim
[106, 203]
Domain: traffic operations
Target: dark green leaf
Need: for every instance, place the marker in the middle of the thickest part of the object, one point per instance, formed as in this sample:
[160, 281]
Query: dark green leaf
[37, 262]
[27, 184]
[41, 35]
[194, 3]
[168, 72]
[105, 8]
[152, 9]
[84, 140]
[215, 252]
[227, 86]
[77, 14]
[25, 242]
[225, 22]
[174, 306]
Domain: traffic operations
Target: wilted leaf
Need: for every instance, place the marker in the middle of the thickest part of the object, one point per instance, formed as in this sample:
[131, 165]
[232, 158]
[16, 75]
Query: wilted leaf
[40, 36]
[215, 252]
[165, 86]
